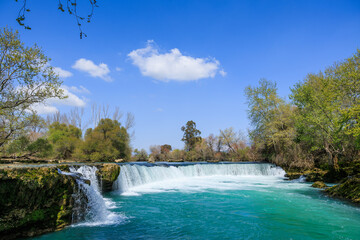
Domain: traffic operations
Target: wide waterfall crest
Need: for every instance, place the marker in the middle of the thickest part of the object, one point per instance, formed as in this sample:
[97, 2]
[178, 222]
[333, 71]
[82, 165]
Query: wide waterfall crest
[90, 207]
[133, 175]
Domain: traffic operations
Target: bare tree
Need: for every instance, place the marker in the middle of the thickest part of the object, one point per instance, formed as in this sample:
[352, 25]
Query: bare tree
[211, 142]
[105, 111]
[57, 117]
[117, 115]
[230, 138]
[130, 120]
[219, 144]
[77, 119]
[95, 114]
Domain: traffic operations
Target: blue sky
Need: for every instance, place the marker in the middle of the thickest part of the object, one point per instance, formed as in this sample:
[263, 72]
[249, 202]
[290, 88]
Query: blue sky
[171, 61]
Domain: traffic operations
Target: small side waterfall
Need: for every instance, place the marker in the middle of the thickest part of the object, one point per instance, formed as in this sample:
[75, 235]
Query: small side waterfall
[90, 207]
[136, 175]
[94, 209]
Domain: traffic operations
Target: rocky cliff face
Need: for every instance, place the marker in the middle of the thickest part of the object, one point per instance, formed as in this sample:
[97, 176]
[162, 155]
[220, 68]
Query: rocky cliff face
[41, 199]
[34, 201]
[108, 173]
[348, 189]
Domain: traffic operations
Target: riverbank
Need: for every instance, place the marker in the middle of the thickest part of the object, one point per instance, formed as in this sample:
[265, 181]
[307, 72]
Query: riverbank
[346, 178]
[40, 199]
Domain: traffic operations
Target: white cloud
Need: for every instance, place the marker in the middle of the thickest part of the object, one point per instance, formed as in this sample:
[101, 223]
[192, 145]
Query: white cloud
[71, 100]
[41, 108]
[50, 105]
[80, 89]
[118, 69]
[62, 73]
[102, 70]
[222, 72]
[172, 65]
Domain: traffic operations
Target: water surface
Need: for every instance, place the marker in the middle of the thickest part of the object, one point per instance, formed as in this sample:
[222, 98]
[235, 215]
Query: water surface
[215, 201]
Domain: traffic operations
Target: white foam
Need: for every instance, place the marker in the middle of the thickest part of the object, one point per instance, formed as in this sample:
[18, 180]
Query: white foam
[135, 180]
[97, 212]
[301, 179]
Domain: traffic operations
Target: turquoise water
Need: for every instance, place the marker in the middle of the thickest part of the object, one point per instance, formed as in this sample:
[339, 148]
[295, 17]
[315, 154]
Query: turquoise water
[216, 202]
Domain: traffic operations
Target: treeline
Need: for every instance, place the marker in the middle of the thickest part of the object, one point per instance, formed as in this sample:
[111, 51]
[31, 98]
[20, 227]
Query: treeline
[59, 136]
[319, 126]
[228, 145]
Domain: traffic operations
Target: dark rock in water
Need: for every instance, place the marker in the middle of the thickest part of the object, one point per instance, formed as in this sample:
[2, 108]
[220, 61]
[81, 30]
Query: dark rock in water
[348, 189]
[34, 201]
[293, 175]
[319, 184]
[108, 173]
[315, 175]
[312, 175]
[335, 176]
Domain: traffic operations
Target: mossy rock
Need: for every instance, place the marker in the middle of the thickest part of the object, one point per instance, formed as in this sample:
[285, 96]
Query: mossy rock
[319, 184]
[293, 175]
[349, 189]
[315, 175]
[108, 173]
[38, 200]
[335, 176]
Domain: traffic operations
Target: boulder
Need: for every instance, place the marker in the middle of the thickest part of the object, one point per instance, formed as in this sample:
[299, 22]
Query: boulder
[348, 189]
[319, 184]
[108, 173]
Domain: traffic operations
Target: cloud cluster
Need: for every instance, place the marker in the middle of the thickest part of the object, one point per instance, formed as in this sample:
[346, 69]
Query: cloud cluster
[62, 73]
[80, 89]
[102, 70]
[173, 65]
[50, 105]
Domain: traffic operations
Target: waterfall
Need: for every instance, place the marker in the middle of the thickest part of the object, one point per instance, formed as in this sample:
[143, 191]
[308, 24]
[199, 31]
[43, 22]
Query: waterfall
[88, 172]
[133, 175]
[90, 207]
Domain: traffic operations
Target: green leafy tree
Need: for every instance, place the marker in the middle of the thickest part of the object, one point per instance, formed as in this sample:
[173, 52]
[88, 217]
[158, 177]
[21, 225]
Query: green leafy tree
[328, 110]
[40, 148]
[191, 135]
[264, 105]
[18, 146]
[273, 132]
[26, 78]
[107, 142]
[65, 139]
[140, 155]
[165, 149]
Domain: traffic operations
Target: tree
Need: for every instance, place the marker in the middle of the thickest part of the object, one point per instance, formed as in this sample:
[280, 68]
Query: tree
[18, 146]
[165, 149]
[230, 139]
[328, 110]
[235, 144]
[41, 147]
[191, 135]
[64, 138]
[155, 152]
[140, 155]
[108, 141]
[264, 106]
[274, 128]
[26, 78]
[70, 6]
